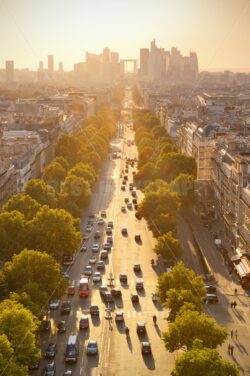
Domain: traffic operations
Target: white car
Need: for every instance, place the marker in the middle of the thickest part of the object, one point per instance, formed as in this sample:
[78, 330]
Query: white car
[100, 221]
[97, 277]
[92, 260]
[95, 247]
[88, 270]
[54, 304]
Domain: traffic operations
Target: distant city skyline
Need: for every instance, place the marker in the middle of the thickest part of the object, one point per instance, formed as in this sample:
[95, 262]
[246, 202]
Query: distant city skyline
[218, 31]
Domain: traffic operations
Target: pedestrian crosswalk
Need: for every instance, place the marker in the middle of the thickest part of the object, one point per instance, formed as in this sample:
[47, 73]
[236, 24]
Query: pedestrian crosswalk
[148, 283]
[143, 315]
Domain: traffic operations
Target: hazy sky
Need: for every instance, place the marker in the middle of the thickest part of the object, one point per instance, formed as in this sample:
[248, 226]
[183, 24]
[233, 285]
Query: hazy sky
[218, 30]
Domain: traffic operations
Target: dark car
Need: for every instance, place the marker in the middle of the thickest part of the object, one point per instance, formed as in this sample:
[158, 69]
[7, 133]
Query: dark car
[97, 234]
[83, 248]
[124, 231]
[116, 293]
[133, 193]
[109, 231]
[50, 351]
[211, 299]
[138, 238]
[103, 255]
[50, 369]
[103, 290]
[146, 348]
[123, 188]
[84, 322]
[66, 307]
[107, 246]
[137, 268]
[134, 201]
[134, 298]
[141, 328]
[110, 239]
[94, 310]
[108, 298]
[123, 278]
[61, 327]
[126, 200]
[139, 285]
[46, 325]
[129, 206]
[138, 215]
[210, 289]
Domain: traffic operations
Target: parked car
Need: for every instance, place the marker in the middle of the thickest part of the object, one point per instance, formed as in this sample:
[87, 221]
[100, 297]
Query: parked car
[109, 231]
[126, 200]
[100, 221]
[123, 209]
[129, 206]
[83, 248]
[110, 224]
[110, 239]
[103, 214]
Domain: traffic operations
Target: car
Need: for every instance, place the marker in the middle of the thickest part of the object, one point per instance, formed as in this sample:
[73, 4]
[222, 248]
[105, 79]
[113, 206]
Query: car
[108, 298]
[84, 322]
[50, 351]
[65, 306]
[89, 228]
[109, 231]
[138, 238]
[45, 325]
[134, 201]
[106, 247]
[92, 260]
[110, 239]
[110, 224]
[123, 188]
[100, 265]
[133, 193]
[125, 177]
[126, 170]
[91, 215]
[54, 304]
[95, 247]
[61, 327]
[88, 270]
[137, 268]
[68, 373]
[50, 369]
[139, 285]
[90, 222]
[103, 214]
[103, 290]
[141, 328]
[211, 299]
[123, 278]
[94, 310]
[119, 317]
[92, 348]
[123, 209]
[129, 206]
[134, 298]
[83, 248]
[146, 348]
[124, 231]
[210, 289]
[135, 206]
[103, 255]
[116, 292]
[86, 236]
[126, 200]
[97, 235]
[97, 277]
[100, 221]
[138, 215]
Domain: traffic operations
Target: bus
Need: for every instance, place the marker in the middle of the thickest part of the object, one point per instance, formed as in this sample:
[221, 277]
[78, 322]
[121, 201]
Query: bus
[84, 286]
[72, 288]
[242, 269]
[68, 259]
[71, 351]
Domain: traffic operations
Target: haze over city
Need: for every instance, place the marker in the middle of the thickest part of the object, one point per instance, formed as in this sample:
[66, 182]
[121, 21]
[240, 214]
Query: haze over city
[217, 30]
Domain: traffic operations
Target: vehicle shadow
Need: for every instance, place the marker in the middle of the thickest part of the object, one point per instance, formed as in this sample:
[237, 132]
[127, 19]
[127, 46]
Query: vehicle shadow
[141, 292]
[129, 342]
[119, 303]
[95, 320]
[137, 306]
[149, 361]
[158, 306]
[92, 362]
[120, 326]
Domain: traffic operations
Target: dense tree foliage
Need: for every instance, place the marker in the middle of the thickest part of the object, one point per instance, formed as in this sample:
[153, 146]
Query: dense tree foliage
[77, 189]
[54, 174]
[137, 98]
[184, 186]
[178, 300]
[24, 204]
[168, 247]
[190, 325]
[8, 363]
[203, 361]
[85, 171]
[43, 193]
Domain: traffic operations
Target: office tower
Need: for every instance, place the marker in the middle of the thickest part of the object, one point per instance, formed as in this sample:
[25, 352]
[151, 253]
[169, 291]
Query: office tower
[114, 57]
[106, 55]
[194, 63]
[60, 67]
[9, 70]
[157, 63]
[40, 71]
[50, 65]
[41, 68]
[144, 58]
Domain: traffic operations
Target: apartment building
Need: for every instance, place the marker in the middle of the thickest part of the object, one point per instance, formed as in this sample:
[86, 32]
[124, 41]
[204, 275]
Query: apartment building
[8, 180]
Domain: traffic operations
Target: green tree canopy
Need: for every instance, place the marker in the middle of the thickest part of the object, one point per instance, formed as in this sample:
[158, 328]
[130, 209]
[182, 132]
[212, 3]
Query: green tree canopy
[20, 326]
[190, 325]
[168, 247]
[54, 174]
[62, 162]
[71, 148]
[172, 164]
[78, 189]
[178, 300]
[43, 193]
[8, 363]
[37, 274]
[85, 171]
[24, 204]
[180, 278]
[184, 186]
[203, 361]
[13, 233]
[53, 231]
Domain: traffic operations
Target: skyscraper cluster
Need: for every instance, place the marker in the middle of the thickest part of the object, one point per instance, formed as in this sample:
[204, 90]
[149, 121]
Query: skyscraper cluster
[160, 66]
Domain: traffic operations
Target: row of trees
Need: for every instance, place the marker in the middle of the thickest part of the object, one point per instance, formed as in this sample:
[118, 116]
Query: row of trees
[167, 178]
[37, 227]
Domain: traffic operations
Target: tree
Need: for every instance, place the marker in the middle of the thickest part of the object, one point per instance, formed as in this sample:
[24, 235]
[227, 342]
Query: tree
[190, 325]
[24, 204]
[168, 247]
[184, 185]
[54, 174]
[8, 363]
[180, 278]
[85, 171]
[41, 192]
[20, 326]
[13, 233]
[53, 231]
[172, 164]
[71, 148]
[65, 202]
[182, 299]
[37, 274]
[77, 189]
[62, 161]
[204, 362]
